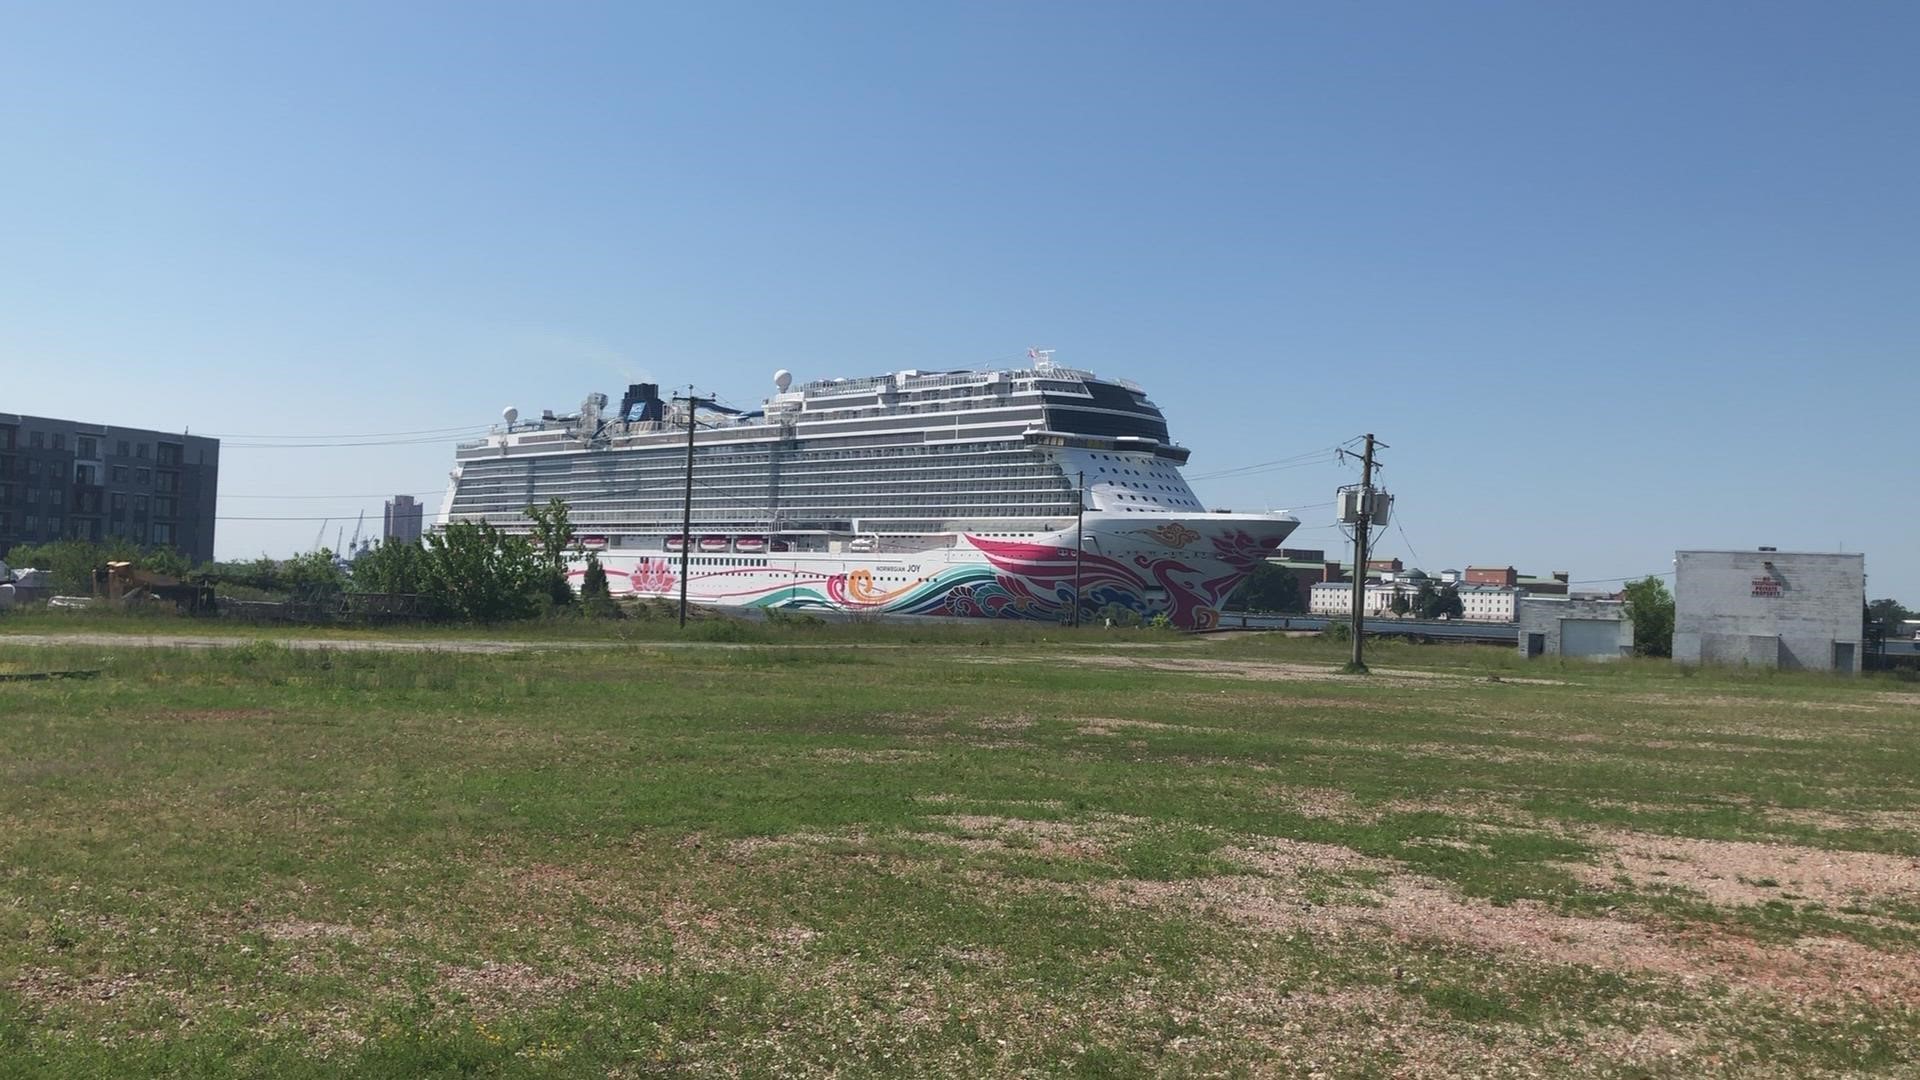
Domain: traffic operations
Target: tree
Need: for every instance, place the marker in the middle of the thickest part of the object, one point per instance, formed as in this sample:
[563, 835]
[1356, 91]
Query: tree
[1400, 605]
[481, 574]
[393, 566]
[313, 575]
[1885, 616]
[1426, 601]
[1650, 606]
[1438, 603]
[552, 538]
[1268, 588]
[165, 561]
[595, 596]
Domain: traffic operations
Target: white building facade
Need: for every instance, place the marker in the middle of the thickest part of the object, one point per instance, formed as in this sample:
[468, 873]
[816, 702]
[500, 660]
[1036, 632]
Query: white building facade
[1787, 609]
[1490, 603]
[1480, 603]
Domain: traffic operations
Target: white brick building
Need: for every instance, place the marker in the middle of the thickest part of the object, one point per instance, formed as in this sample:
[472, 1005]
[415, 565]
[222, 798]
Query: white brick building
[1789, 609]
[1490, 603]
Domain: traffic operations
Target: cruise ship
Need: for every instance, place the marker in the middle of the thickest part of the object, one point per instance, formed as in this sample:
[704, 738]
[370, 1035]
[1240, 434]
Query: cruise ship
[952, 493]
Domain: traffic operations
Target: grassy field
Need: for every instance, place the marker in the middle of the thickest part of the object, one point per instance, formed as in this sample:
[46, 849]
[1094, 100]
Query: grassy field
[983, 855]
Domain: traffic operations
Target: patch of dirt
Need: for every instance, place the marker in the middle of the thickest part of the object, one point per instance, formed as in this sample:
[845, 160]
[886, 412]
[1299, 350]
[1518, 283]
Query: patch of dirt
[510, 982]
[1083, 839]
[1248, 669]
[1499, 755]
[1116, 726]
[1292, 672]
[845, 755]
[1281, 896]
[298, 930]
[216, 715]
[48, 986]
[1737, 873]
[1907, 821]
[1278, 856]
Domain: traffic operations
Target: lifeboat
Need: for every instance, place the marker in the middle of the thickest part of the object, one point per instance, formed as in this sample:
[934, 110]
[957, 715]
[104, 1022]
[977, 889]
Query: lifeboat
[593, 543]
[713, 543]
[674, 543]
[778, 544]
[750, 545]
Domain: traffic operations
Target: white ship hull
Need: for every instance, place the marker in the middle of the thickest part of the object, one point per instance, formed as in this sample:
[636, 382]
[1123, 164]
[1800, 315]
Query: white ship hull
[1180, 566]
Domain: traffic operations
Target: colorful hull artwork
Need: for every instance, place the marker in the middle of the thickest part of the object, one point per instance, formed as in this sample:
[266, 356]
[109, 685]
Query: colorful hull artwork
[1176, 570]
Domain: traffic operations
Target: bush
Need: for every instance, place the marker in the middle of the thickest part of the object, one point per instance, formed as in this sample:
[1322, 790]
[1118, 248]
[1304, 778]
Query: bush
[785, 617]
[1337, 631]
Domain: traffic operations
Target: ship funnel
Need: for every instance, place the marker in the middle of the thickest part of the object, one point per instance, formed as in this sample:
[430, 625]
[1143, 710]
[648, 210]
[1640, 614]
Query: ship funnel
[642, 402]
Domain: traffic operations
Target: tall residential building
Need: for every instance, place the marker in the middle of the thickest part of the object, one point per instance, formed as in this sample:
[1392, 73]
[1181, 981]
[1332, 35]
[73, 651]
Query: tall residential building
[64, 479]
[402, 519]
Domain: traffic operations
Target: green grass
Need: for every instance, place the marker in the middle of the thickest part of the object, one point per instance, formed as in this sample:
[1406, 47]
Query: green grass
[982, 852]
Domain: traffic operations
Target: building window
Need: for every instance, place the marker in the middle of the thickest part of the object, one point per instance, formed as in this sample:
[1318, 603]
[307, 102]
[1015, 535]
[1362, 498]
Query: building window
[139, 504]
[119, 502]
[166, 481]
[86, 446]
[162, 533]
[117, 473]
[84, 474]
[36, 439]
[140, 451]
[143, 476]
[59, 440]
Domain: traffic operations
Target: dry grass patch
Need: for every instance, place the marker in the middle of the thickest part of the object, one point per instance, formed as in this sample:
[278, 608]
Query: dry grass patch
[1313, 888]
[848, 756]
[1736, 873]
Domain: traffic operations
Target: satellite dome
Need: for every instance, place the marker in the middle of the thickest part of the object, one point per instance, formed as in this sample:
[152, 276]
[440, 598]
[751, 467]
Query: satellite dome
[509, 414]
[782, 379]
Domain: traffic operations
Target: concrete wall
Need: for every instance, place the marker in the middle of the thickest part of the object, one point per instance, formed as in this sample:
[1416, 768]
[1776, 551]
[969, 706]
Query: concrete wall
[1543, 615]
[1768, 608]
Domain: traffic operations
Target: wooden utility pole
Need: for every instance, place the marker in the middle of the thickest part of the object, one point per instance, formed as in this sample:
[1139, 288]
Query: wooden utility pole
[1360, 529]
[1079, 542]
[686, 507]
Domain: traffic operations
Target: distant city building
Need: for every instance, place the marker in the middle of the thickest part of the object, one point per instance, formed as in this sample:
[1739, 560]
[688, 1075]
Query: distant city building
[401, 520]
[1336, 598]
[1789, 609]
[1493, 575]
[1554, 584]
[1557, 626]
[66, 480]
[1490, 603]
[1480, 603]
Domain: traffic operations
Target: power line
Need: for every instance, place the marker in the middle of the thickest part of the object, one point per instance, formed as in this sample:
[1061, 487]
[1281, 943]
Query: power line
[434, 440]
[375, 495]
[358, 434]
[1399, 524]
[1629, 577]
[1293, 461]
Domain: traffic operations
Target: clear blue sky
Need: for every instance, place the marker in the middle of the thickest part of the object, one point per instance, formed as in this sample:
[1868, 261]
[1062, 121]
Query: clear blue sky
[1612, 279]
